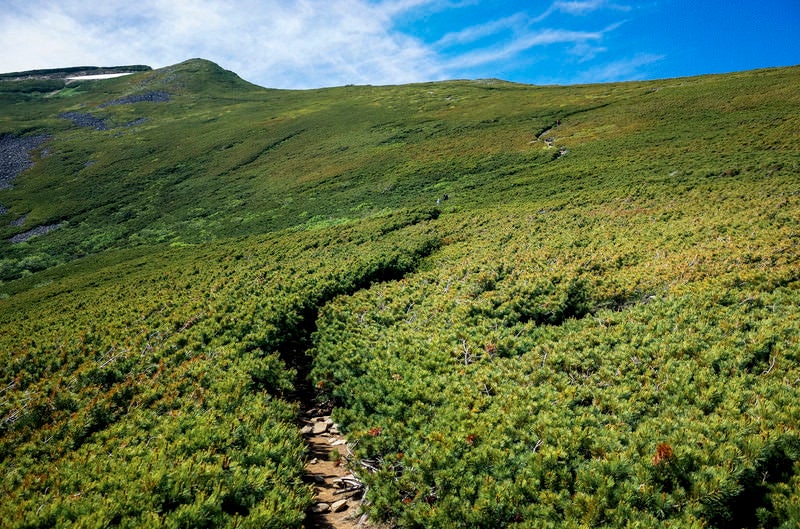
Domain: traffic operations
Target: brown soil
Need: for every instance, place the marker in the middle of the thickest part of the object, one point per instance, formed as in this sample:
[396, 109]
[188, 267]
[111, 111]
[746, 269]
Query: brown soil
[325, 464]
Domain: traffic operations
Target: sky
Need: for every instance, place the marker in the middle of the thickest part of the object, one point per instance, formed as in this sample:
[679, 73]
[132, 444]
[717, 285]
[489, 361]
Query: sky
[320, 43]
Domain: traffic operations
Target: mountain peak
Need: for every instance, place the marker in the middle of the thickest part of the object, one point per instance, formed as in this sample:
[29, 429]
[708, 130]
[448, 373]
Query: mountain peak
[202, 74]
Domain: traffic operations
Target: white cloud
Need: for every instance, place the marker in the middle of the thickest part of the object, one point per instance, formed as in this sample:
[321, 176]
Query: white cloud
[585, 51]
[272, 42]
[585, 44]
[579, 7]
[394, 7]
[285, 43]
[621, 70]
[473, 33]
[525, 42]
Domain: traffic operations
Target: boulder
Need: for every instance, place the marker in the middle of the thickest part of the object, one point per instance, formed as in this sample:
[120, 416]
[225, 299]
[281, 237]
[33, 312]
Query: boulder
[339, 506]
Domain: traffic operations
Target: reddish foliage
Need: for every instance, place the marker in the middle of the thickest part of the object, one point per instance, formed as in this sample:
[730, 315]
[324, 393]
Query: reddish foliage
[375, 431]
[663, 453]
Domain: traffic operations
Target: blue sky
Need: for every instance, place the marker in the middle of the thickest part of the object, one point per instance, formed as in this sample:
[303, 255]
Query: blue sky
[315, 43]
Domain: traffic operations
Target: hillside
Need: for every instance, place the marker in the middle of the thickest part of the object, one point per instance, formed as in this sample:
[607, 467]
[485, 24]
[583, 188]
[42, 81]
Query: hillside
[563, 306]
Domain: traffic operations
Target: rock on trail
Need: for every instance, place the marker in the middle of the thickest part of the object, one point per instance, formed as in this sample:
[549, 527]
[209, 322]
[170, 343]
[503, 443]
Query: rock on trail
[337, 500]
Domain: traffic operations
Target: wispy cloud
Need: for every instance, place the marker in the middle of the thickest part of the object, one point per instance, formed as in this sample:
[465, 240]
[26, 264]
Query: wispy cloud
[512, 36]
[473, 33]
[579, 7]
[584, 51]
[530, 40]
[395, 7]
[628, 69]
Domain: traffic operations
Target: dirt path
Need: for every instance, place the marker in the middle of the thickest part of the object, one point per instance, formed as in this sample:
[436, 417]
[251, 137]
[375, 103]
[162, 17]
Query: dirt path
[338, 501]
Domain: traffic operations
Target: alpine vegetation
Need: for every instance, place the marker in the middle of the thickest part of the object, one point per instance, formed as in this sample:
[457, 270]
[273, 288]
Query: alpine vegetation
[527, 306]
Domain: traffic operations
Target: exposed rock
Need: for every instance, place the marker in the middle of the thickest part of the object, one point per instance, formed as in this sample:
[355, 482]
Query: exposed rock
[156, 96]
[320, 508]
[319, 427]
[135, 122]
[38, 230]
[84, 119]
[339, 506]
[15, 156]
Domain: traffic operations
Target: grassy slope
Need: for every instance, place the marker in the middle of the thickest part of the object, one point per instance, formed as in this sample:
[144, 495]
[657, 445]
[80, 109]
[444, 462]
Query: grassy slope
[571, 314]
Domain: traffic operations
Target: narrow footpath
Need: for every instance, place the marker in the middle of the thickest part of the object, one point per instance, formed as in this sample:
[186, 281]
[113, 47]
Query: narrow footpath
[338, 491]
